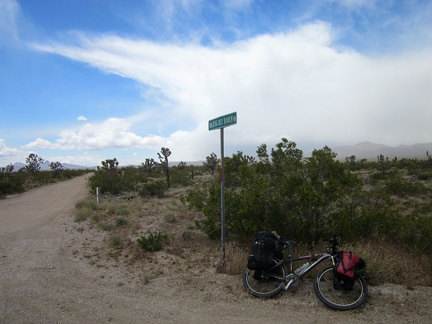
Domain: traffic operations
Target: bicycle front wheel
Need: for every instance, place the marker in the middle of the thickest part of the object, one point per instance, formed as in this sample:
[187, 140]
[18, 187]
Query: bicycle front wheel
[265, 283]
[338, 295]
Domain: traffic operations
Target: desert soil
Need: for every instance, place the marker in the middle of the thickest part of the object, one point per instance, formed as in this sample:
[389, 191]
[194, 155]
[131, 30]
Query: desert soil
[48, 274]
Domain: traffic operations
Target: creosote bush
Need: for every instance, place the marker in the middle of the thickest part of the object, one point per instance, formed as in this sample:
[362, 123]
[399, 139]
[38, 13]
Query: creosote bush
[152, 242]
[308, 199]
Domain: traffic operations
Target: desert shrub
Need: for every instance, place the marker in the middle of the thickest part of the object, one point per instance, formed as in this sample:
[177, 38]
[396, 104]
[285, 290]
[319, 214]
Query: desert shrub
[152, 242]
[89, 202]
[107, 226]
[121, 222]
[147, 278]
[301, 197]
[307, 199]
[83, 214]
[121, 210]
[179, 177]
[13, 182]
[424, 176]
[403, 188]
[170, 218]
[195, 198]
[112, 179]
[114, 240]
[153, 188]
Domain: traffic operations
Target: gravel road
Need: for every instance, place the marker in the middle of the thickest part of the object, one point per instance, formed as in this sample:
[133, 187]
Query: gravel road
[44, 278]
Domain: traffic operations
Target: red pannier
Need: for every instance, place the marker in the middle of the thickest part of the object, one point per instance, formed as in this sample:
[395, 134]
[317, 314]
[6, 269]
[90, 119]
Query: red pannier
[349, 263]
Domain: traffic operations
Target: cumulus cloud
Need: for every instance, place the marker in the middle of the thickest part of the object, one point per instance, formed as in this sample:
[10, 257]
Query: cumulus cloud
[82, 118]
[112, 133]
[295, 84]
[7, 151]
[8, 154]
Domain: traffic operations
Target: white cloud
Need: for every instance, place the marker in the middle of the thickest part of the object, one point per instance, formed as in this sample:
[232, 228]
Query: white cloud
[112, 133]
[9, 154]
[7, 151]
[236, 4]
[294, 84]
[42, 144]
[9, 10]
[356, 3]
[82, 118]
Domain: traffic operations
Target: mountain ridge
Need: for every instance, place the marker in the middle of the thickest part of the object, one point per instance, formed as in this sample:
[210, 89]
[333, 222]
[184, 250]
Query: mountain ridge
[369, 150]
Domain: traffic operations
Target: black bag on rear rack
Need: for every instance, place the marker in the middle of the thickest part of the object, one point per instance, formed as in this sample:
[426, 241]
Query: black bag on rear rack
[266, 247]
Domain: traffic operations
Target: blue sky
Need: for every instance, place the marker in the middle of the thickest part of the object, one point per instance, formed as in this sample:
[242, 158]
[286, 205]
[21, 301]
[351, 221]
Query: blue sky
[82, 81]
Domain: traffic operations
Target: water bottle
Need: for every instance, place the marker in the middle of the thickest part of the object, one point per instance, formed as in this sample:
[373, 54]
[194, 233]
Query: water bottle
[302, 268]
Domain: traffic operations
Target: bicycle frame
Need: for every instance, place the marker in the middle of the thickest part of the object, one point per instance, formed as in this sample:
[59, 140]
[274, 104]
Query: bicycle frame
[292, 276]
[316, 259]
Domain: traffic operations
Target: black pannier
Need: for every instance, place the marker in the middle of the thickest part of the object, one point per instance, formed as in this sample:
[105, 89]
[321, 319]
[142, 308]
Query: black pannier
[266, 247]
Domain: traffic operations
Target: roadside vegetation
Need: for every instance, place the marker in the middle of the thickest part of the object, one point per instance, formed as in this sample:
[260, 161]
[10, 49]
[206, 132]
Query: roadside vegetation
[381, 209]
[30, 176]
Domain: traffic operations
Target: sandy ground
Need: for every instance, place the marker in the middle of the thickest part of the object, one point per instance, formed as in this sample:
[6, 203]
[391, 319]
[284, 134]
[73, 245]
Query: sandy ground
[47, 276]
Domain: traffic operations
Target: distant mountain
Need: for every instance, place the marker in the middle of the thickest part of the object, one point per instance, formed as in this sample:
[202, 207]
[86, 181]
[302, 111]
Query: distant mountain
[370, 151]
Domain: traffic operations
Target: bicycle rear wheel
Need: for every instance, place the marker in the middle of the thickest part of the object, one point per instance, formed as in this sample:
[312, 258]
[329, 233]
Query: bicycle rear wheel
[265, 283]
[336, 295]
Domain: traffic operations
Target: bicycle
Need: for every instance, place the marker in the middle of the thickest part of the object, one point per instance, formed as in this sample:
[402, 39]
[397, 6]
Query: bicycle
[330, 290]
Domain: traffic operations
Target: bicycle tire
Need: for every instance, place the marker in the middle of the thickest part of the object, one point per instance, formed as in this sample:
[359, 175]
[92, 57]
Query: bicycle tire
[336, 297]
[265, 283]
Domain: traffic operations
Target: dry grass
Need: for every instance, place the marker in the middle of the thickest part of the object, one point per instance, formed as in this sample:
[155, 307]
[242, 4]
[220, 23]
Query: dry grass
[387, 262]
[235, 259]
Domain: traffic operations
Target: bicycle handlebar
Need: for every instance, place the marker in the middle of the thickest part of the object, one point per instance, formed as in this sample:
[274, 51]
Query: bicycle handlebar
[334, 241]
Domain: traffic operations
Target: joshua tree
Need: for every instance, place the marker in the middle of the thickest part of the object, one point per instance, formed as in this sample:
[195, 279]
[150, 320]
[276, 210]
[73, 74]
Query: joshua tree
[149, 165]
[163, 158]
[56, 167]
[34, 163]
[211, 163]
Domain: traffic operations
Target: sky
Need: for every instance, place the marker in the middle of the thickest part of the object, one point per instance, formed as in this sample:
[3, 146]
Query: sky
[82, 81]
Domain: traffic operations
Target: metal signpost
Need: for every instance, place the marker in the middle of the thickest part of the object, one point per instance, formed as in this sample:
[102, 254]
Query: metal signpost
[220, 123]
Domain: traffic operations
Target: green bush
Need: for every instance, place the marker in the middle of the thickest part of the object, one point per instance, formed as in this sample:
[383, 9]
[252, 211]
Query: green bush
[179, 177]
[195, 198]
[308, 199]
[401, 188]
[121, 222]
[107, 226]
[114, 240]
[120, 210]
[11, 183]
[154, 188]
[152, 242]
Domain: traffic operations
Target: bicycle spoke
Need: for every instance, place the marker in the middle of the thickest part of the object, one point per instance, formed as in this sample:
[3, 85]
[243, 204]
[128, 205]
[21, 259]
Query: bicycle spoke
[338, 294]
[264, 283]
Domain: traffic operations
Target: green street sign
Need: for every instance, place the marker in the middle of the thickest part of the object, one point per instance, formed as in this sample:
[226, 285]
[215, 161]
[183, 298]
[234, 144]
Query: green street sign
[223, 121]
[220, 123]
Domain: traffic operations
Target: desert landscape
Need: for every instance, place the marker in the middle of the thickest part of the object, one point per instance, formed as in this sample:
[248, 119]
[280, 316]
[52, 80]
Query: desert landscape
[52, 270]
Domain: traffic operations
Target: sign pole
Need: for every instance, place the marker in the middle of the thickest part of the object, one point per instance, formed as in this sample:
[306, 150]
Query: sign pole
[222, 196]
[220, 123]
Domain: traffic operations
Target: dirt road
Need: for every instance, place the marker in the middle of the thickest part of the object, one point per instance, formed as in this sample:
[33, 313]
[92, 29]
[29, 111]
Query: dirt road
[46, 278]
